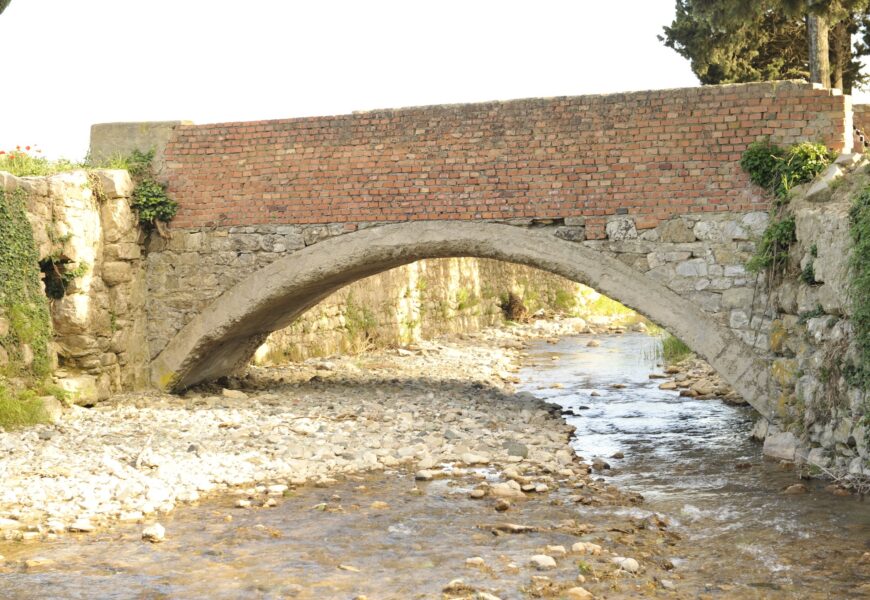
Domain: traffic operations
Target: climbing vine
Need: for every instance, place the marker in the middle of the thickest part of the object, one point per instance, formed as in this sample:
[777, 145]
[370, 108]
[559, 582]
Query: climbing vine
[22, 300]
[859, 261]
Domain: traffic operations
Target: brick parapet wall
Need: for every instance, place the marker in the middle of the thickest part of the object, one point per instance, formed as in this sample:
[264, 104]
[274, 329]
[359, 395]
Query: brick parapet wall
[650, 155]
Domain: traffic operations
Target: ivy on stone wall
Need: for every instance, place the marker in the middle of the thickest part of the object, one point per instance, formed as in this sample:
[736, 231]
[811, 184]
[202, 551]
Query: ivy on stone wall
[859, 261]
[25, 332]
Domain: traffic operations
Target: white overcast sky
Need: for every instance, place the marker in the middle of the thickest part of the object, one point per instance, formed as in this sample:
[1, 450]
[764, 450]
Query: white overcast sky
[68, 64]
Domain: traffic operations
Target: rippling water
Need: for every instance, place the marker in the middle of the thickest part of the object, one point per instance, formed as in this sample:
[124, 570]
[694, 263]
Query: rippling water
[681, 453]
[741, 537]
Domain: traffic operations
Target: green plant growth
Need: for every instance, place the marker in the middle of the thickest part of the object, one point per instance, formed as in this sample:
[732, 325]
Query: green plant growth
[23, 163]
[808, 274]
[21, 297]
[20, 410]
[818, 311]
[466, 299]
[859, 262]
[360, 324]
[779, 170]
[607, 307]
[150, 200]
[564, 300]
[772, 251]
[26, 332]
[674, 349]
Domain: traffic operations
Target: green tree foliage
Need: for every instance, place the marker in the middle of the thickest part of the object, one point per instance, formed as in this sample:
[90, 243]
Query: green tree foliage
[735, 41]
[3, 5]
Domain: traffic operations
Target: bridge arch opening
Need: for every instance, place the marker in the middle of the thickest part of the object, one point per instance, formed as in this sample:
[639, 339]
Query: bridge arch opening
[225, 335]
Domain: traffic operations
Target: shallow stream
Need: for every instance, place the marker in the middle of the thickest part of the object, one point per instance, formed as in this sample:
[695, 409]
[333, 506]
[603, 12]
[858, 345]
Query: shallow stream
[738, 535]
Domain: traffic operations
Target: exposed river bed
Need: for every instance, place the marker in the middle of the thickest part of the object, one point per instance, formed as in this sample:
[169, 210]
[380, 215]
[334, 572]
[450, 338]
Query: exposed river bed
[706, 529]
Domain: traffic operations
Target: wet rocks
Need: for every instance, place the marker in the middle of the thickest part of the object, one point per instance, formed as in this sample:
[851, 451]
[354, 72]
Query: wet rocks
[542, 562]
[154, 533]
[578, 593]
[629, 565]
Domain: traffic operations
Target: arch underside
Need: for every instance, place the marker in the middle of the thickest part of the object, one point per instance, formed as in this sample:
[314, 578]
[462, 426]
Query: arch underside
[224, 337]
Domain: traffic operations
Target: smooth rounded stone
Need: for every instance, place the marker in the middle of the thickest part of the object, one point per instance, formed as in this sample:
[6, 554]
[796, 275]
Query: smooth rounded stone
[424, 475]
[234, 394]
[379, 505]
[586, 548]
[506, 490]
[797, 488]
[477, 493]
[617, 455]
[427, 462]
[502, 505]
[484, 596]
[668, 584]
[593, 343]
[55, 526]
[242, 503]
[132, 516]
[556, 550]
[270, 503]
[10, 524]
[600, 465]
[470, 458]
[528, 487]
[578, 593]
[475, 561]
[38, 562]
[542, 488]
[154, 533]
[542, 562]
[277, 489]
[627, 564]
[516, 449]
[595, 393]
[82, 526]
[668, 385]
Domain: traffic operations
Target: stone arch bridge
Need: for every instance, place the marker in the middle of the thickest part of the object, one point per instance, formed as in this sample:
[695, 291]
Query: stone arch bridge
[639, 195]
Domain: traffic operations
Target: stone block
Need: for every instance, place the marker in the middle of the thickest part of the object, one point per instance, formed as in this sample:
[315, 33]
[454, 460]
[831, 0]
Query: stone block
[114, 273]
[738, 319]
[116, 183]
[696, 267]
[82, 388]
[820, 189]
[571, 234]
[676, 231]
[621, 228]
[781, 445]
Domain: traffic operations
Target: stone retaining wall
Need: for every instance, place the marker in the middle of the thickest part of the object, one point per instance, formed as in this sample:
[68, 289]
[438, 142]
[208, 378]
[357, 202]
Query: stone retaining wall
[99, 323]
[420, 301]
[820, 417]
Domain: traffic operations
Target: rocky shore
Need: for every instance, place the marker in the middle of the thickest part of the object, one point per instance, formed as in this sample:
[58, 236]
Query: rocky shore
[140, 455]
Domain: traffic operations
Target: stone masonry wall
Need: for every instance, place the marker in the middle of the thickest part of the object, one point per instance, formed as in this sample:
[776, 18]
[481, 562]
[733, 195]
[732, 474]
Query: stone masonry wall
[651, 155]
[99, 323]
[821, 417]
[420, 301]
[700, 256]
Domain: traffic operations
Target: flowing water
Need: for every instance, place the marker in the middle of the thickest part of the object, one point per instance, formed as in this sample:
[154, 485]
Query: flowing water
[741, 537]
[682, 454]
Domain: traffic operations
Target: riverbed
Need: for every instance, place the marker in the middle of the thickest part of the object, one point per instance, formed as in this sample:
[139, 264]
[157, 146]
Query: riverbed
[713, 522]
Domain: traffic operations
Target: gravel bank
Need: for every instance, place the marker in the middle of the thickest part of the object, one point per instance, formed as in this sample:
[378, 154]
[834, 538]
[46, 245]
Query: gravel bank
[439, 403]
